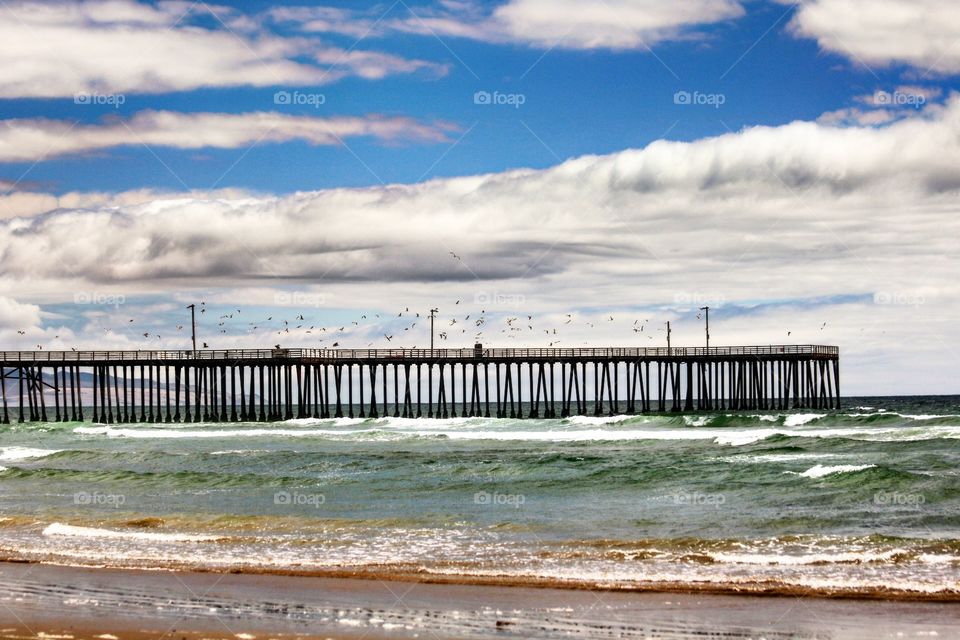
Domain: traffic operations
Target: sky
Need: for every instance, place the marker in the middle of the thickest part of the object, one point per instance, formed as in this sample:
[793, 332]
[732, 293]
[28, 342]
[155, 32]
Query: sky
[544, 172]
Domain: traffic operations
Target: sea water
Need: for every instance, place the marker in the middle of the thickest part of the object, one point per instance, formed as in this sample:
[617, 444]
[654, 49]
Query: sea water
[865, 500]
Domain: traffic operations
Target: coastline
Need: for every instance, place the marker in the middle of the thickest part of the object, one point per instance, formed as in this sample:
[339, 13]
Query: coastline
[79, 603]
[760, 589]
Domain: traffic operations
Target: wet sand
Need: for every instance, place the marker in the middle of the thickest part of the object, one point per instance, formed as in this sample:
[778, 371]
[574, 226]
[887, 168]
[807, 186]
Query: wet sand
[74, 603]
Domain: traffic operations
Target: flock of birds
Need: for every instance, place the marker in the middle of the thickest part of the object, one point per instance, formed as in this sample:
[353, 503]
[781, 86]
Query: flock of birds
[447, 328]
[451, 327]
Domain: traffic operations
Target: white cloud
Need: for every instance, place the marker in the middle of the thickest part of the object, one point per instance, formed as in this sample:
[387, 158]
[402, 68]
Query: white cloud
[14, 315]
[61, 48]
[42, 139]
[807, 220]
[574, 24]
[374, 65]
[325, 20]
[918, 33]
[858, 117]
[18, 204]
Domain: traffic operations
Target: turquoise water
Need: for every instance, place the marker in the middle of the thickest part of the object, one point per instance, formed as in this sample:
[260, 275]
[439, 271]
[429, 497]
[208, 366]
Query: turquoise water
[860, 501]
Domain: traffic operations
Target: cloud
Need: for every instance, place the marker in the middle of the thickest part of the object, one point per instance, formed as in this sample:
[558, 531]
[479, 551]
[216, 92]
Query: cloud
[14, 315]
[858, 117]
[574, 24]
[61, 48]
[43, 139]
[917, 33]
[374, 65]
[326, 20]
[784, 227]
[20, 204]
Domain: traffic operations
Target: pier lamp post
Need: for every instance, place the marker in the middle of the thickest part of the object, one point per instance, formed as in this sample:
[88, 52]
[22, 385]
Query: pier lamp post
[706, 311]
[193, 326]
[433, 314]
[668, 337]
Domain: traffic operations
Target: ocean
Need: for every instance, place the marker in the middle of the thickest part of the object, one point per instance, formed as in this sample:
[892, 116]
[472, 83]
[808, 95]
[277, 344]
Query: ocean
[864, 501]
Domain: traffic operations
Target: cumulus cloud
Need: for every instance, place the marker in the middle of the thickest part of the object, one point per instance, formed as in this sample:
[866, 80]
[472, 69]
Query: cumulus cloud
[574, 24]
[813, 184]
[66, 47]
[14, 315]
[780, 228]
[16, 204]
[917, 33]
[41, 138]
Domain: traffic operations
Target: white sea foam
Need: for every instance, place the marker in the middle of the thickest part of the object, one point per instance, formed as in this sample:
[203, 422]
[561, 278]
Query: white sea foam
[145, 433]
[59, 529]
[830, 557]
[598, 420]
[798, 419]
[238, 452]
[820, 470]
[784, 457]
[13, 454]
[478, 429]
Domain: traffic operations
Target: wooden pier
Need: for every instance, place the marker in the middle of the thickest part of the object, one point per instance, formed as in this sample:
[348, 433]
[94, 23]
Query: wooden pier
[264, 385]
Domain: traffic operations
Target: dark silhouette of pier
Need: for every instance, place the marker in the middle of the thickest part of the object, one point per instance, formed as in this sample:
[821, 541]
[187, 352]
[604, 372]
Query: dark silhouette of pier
[280, 384]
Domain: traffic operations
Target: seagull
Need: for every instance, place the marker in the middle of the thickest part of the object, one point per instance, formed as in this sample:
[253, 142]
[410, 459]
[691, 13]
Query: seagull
[455, 256]
[389, 338]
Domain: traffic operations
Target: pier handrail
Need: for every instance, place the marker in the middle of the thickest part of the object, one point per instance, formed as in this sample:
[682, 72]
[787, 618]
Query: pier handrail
[146, 356]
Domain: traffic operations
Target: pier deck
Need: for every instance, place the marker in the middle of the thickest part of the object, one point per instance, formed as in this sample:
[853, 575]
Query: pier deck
[278, 384]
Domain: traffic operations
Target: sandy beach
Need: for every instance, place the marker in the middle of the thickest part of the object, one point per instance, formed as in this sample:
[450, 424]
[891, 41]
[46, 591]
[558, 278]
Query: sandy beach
[43, 601]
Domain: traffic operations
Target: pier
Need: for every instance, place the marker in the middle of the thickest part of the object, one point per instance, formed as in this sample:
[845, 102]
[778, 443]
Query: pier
[262, 385]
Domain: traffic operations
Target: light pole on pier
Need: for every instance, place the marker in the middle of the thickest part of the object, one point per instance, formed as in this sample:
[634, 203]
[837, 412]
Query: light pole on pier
[668, 337]
[193, 326]
[706, 311]
[433, 314]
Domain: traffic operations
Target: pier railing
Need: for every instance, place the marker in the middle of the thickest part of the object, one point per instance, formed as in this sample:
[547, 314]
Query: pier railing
[414, 354]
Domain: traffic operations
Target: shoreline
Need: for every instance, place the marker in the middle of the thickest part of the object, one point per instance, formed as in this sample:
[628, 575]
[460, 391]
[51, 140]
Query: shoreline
[760, 589]
[77, 603]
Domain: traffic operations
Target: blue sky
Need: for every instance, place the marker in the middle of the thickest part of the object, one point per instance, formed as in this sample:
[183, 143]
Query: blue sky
[576, 102]
[793, 165]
